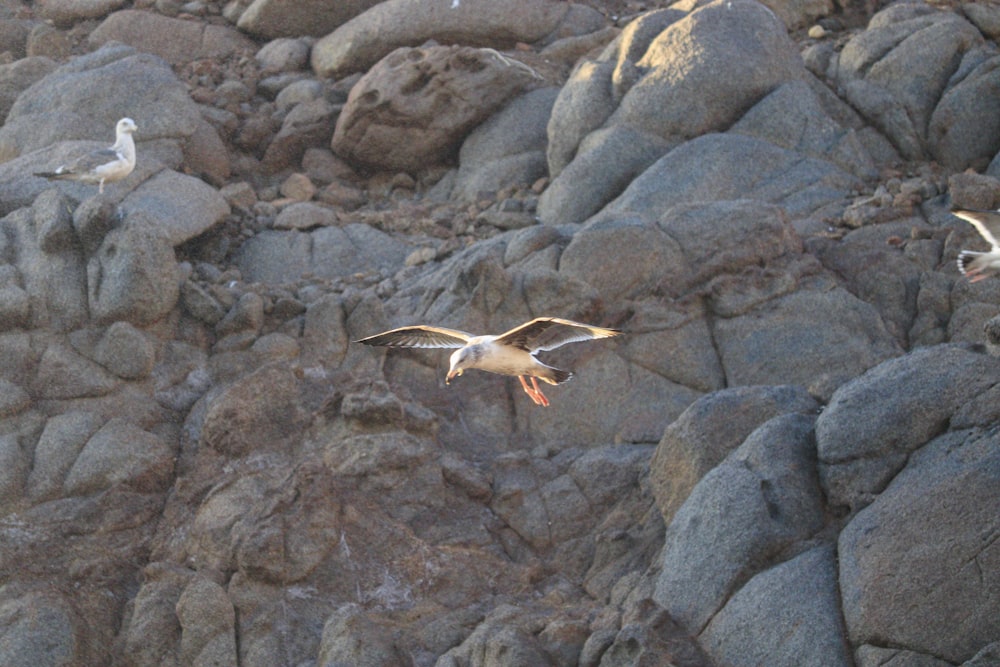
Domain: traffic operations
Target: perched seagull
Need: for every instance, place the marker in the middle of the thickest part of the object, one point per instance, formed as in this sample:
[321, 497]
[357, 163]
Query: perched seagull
[978, 265]
[106, 165]
[510, 353]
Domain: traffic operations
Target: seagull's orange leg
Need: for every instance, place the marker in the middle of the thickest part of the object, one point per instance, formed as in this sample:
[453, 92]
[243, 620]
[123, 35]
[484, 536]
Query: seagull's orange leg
[534, 393]
[538, 392]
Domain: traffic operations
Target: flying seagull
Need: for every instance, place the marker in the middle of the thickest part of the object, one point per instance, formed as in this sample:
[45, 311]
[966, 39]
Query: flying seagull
[102, 166]
[510, 353]
[978, 265]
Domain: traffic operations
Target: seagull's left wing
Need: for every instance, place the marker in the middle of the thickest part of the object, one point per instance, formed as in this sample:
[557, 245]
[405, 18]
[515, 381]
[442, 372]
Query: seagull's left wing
[986, 222]
[93, 161]
[90, 166]
[548, 333]
[419, 336]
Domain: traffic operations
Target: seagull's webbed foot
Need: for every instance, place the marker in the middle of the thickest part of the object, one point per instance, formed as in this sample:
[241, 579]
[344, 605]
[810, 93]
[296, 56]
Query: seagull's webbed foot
[533, 391]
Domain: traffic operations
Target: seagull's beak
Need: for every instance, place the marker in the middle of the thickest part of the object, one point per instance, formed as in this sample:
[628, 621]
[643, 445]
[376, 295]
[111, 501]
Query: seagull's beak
[452, 375]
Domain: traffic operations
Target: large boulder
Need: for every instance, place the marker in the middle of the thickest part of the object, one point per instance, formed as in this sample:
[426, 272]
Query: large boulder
[65, 13]
[713, 167]
[327, 252]
[178, 206]
[787, 616]
[18, 76]
[507, 149]
[605, 163]
[366, 39]
[175, 40]
[254, 413]
[415, 106]
[874, 423]
[120, 453]
[794, 117]
[133, 276]
[762, 498]
[53, 274]
[281, 18]
[39, 628]
[668, 78]
[704, 70]
[708, 431]
[814, 337]
[911, 59]
[962, 132]
[917, 568]
[57, 449]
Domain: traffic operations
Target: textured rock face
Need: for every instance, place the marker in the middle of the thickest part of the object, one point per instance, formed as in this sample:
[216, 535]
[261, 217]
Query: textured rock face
[175, 40]
[363, 41]
[670, 78]
[943, 495]
[416, 105]
[936, 117]
[279, 18]
[788, 458]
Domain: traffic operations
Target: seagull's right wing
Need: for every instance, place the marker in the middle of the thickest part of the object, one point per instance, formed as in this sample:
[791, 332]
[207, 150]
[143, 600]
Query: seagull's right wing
[548, 333]
[419, 336]
[986, 222]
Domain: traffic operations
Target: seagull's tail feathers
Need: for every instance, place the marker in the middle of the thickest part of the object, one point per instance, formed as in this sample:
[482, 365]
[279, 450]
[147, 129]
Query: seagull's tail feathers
[974, 265]
[55, 175]
[554, 375]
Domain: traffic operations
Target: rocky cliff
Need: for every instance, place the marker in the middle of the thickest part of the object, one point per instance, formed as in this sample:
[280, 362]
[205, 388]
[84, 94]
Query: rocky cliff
[792, 456]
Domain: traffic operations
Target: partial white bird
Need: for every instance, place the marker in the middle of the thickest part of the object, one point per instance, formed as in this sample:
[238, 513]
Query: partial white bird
[106, 165]
[979, 265]
[510, 353]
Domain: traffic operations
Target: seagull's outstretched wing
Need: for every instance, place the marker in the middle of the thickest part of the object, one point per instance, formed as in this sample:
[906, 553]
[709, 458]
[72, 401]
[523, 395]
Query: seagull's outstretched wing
[548, 333]
[987, 223]
[419, 336]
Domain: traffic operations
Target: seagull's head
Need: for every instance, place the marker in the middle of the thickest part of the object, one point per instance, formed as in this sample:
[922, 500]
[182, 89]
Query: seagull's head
[126, 126]
[460, 360]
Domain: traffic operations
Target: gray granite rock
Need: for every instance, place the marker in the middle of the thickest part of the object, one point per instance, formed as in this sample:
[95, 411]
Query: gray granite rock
[126, 352]
[208, 624]
[133, 276]
[364, 40]
[57, 449]
[177, 206]
[14, 470]
[709, 430]
[277, 257]
[872, 425]
[175, 40]
[506, 150]
[903, 44]
[618, 121]
[937, 597]
[713, 167]
[62, 373]
[120, 453]
[38, 629]
[274, 18]
[762, 498]
[787, 615]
